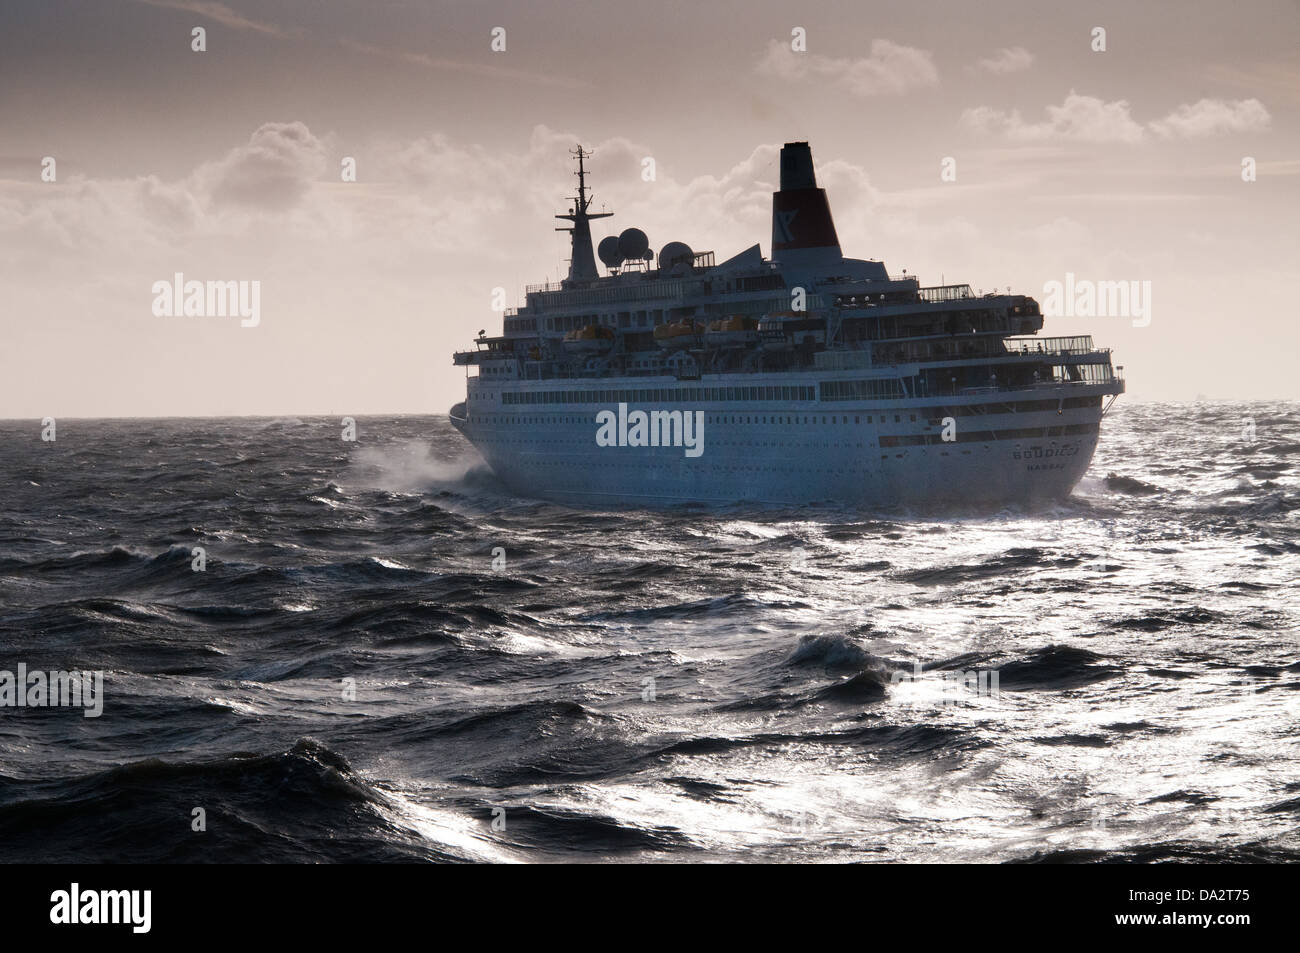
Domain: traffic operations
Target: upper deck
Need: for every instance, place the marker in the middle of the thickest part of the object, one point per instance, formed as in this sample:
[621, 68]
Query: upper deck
[806, 310]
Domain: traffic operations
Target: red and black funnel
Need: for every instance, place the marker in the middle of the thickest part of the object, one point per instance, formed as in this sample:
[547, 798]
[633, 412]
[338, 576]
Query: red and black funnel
[803, 232]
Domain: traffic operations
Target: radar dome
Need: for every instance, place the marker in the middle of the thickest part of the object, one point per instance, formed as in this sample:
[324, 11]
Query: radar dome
[676, 253]
[609, 253]
[633, 244]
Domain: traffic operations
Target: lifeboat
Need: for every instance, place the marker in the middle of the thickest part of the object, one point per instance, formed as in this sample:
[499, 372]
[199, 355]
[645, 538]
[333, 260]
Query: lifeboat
[592, 339]
[677, 334]
[737, 329]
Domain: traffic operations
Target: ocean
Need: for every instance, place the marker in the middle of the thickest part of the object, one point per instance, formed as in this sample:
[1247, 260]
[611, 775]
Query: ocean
[322, 650]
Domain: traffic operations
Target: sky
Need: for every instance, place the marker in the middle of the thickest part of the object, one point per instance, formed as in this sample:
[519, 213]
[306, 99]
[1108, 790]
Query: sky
[226, 164]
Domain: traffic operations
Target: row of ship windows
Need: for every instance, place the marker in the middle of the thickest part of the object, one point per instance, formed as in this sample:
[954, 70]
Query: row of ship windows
[928, 439]
[664, 395]
[641, 464]
[1013, 407]
[987, 436]
[720, 419]
[802, 445]
[831, 390]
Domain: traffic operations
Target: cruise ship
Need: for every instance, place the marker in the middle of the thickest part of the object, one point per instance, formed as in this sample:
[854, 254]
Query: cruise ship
[804, 377]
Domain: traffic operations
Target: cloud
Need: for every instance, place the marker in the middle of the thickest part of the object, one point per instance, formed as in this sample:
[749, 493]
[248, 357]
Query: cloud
[220, 13]
[463, 66]
[1078, 118]
[273, 172]
[891, 69]
[1210, 117]
[1278, 80]
[1008, 60]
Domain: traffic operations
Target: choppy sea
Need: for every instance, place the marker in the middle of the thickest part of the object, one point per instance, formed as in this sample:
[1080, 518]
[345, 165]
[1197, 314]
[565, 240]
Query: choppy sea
[320, 650]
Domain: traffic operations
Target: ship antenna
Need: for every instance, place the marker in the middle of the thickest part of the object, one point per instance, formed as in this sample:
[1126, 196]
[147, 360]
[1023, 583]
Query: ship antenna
[583, 201]
[582, 264]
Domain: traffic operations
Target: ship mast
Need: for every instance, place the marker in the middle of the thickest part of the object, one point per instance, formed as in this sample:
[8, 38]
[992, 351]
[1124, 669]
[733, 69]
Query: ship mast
[582, 264]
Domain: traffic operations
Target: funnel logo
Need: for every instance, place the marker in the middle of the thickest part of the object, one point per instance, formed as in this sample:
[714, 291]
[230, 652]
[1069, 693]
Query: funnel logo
[782, 220]
[658, 428]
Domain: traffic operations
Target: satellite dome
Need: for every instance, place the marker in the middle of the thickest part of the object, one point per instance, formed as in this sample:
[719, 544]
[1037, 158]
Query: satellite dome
[609, 253]
[676, 253]
[633, 243]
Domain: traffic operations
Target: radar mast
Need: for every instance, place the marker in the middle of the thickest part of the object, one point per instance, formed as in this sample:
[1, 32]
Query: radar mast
[582, 264]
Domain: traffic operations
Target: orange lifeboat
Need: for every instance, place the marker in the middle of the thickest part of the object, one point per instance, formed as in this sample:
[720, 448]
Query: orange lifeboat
[737, 329]
[592, 339]
[678, 334]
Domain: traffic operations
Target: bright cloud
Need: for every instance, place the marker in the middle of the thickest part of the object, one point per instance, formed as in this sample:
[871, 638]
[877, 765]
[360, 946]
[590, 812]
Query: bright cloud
[890, 69]
[273, 171]
[1079, 118]
[1210, 117]
[1008, 60]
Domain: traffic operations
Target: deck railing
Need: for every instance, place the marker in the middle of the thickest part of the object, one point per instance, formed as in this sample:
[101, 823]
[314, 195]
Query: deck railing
[940, 293]
[1035, 345]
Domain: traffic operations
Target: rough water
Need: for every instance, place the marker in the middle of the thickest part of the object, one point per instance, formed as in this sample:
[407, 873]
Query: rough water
[355, 676]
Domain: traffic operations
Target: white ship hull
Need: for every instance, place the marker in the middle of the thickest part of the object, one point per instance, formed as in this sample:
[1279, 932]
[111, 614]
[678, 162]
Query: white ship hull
[1008, 447]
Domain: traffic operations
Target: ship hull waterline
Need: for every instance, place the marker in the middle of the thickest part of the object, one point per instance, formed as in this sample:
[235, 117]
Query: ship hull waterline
[849, 454]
